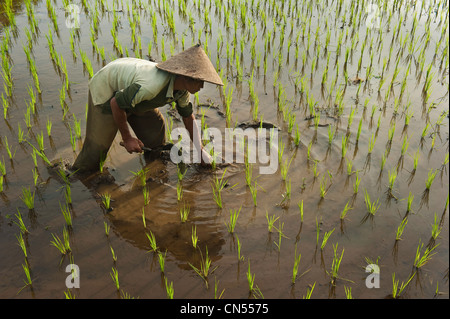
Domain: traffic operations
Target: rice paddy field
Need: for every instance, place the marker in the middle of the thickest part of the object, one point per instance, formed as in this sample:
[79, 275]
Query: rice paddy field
[358, 91]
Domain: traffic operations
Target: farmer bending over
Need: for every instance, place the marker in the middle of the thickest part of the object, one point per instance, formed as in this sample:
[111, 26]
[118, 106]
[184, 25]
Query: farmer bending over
[130, 90]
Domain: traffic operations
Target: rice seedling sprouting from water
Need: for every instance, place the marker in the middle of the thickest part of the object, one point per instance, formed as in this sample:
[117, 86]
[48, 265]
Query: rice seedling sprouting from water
[217, 188]
[253, 289]
[231, 225]
[28, 197]
[205, 266]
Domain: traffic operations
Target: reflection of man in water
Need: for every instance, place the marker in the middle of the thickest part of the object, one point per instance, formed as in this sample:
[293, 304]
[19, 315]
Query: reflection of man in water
[129, 91]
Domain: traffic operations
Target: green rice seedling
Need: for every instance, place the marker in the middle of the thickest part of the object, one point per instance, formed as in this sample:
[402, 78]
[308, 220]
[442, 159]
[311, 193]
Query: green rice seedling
[287, 193]
[27, 118]
[309, 291]
[409, 203]
[20, 223]
[425, 131]
[392, 178]
[436, 227]
[270, 221]
[62, 245]
[430, 178]
[40, 141]
[106, 201]
[145, 193]
[77, 127]
[356, 184]
[194, 236]
[358, 133]
[396, 291]
[114, 257]
[68, 294]
[254, 191]
[372, 143]
[184, 212]
[400, 229]
[349, 168]
[348, 292]
[115, 278]
[280, 235]
[331, 134]
[216, 284]
[234, 214]
[296, 264]
[291, 122]
[280, 150]
[152, 240]
[41, 155]
[162, 260]
[1, 183]
[68, 194]
[8, 150]
[205, 267]
[217, 188]
[335, 265]
[180, 173]
[5, 105]
[87, 63]
[2, 167]
[22, 244]
[67, 215]
[297, 136]
[141, 174]
[405, 146]
[28, 281]
[317, 231]
[308, 153]
[419, 260]
[28, 198]
[102, 161]
[315, 172]
[372, 207]
[345, 211]
[253, 289]
[143, 217]
[239, 246]
[169, 288]
[323, 187]
[326, 236]
[20, 134]
[179, 191]
[107, 228]
[284, 168]
[248, 172]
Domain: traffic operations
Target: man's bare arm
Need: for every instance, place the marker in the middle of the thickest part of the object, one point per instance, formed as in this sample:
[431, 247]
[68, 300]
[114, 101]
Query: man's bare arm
[131, 143]
[191, 126]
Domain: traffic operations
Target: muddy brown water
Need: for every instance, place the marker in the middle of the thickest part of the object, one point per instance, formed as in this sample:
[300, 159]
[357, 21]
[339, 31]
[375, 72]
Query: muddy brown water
[360, 236]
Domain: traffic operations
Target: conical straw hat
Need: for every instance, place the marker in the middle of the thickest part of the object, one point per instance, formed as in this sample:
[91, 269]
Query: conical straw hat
[193, 63]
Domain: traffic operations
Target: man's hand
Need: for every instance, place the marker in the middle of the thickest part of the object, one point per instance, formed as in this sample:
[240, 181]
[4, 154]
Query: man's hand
[206, 158]
[133, 144]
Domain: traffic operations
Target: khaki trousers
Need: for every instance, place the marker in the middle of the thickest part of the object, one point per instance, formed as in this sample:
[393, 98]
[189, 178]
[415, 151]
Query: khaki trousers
[101, 130]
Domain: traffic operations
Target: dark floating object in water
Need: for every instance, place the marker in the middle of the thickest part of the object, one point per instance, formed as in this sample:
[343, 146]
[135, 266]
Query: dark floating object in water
[257, 124]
